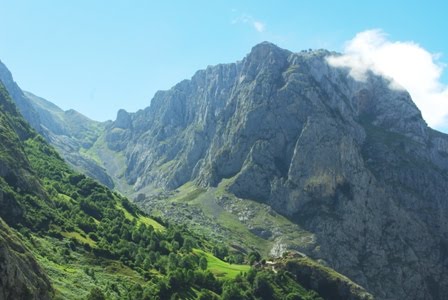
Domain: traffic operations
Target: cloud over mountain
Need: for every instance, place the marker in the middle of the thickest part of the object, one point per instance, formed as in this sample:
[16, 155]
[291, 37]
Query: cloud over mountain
[408, 64]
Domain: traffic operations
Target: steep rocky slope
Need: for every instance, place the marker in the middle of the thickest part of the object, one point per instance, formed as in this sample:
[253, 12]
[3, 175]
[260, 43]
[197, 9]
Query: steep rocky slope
[69, 131]
[21, 277]
[352, 162]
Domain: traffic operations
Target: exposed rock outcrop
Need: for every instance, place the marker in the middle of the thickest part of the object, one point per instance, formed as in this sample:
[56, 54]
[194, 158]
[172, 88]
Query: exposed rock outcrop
[20, 275]
[328, 283]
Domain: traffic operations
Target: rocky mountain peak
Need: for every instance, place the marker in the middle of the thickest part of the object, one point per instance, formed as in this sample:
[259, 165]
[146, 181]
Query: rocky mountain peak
[25, 108]
[264, 58]
[265, 49]
[123, 119]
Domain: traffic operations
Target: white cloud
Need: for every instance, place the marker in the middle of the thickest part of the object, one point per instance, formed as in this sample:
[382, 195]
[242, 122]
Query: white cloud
[248, 19]
[259, 26]
[409, 65]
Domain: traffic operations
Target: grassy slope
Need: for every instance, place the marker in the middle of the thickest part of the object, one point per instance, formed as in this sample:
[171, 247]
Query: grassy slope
[114, 162]
[221, 268]
[140, 218]
[74, 273]
[216, 213]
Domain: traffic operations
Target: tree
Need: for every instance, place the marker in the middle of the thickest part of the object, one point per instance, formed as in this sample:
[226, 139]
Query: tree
[253, 257]
[220, 251]
[147, 263]
[172, 261]
[188, 244]
[232, 291]
[137, 291]
[207, 295]
[164, 289]
[96, 294]
[175, 245]
[262, 287]
[91, 209]
[294, 296]
[203, 263]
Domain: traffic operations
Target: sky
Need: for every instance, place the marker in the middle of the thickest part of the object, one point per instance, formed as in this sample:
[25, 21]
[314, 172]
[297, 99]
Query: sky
[99, 56]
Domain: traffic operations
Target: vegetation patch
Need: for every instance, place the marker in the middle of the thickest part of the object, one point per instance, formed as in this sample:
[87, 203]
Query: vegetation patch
[139, 218]
[221, 268]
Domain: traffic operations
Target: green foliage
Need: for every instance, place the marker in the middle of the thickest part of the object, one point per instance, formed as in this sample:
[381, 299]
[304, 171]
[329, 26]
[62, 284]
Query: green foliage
[221, 268]
[203, 263]
[207, 295]
[253, 257]
[220, 251]
[262, 286]
[294, 296]
[96, 294]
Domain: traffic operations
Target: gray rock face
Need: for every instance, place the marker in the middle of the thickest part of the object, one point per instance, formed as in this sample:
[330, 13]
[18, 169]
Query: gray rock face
[25, 107]
[20, 275]
[353, 162]
[119, 133]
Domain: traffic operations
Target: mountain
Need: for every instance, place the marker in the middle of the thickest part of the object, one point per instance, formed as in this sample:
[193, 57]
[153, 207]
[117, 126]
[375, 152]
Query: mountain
[281, 151]
[65, 236]
[71, 133]
[351, 163]
[68, 131]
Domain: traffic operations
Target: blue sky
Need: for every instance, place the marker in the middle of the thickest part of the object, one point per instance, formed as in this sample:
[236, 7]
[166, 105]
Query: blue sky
[99, 56]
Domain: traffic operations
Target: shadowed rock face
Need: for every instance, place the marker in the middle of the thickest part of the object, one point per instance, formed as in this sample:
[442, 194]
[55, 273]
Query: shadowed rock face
[20, 275]
[353, 162]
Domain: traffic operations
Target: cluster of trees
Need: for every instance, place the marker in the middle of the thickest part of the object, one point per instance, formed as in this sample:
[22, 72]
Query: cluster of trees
[253, 285]
[263, 284]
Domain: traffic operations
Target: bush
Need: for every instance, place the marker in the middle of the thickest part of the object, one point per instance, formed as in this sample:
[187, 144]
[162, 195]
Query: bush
[96, 294]
[294, 296]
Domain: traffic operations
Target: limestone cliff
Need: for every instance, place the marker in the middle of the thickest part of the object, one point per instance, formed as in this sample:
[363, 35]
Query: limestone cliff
[353, 162]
